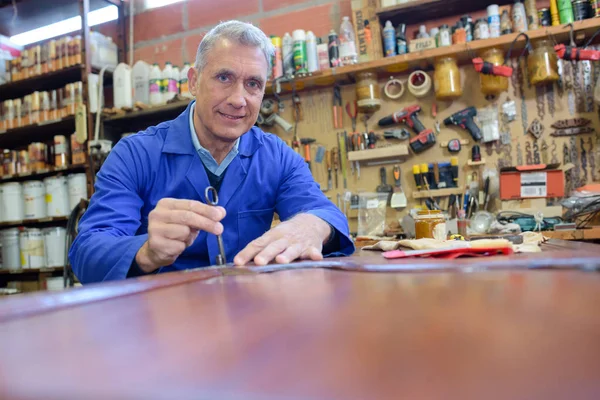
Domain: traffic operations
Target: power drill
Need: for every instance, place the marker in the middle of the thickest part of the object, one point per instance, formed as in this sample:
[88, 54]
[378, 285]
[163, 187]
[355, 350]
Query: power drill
[464, 119]
[425, 137]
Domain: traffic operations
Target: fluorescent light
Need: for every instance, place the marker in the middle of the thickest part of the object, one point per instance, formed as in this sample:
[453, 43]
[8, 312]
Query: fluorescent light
[160, 3]
[96, 17]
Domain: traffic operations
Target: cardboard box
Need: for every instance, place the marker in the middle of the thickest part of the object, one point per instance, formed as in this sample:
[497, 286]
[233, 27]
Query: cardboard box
[531, 181]
[416, 45]
[369, 44]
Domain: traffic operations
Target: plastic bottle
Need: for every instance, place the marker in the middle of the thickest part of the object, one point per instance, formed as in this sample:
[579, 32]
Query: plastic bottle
[300, 59]
[519, 17]
[347, 43]
[422, 32]
[167, 74]
[141, 82]
[389, 39]
[155, 79]
[287, 53]
[435, 33]
[184, 88]
[277, 62]
[401, 39]
[334, 49]
[311, 52]
[122, 92]
[493, 12]
[505, 23]
[322, 54]
[176, 73]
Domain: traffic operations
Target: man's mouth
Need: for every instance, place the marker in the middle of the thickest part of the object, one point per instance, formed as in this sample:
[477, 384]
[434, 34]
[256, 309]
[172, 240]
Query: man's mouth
[232, 117]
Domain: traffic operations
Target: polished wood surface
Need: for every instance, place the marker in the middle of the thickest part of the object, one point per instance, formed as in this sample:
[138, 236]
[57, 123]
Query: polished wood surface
[472, 329]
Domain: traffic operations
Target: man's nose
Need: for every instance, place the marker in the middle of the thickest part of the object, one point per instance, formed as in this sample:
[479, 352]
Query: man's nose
[237, 96]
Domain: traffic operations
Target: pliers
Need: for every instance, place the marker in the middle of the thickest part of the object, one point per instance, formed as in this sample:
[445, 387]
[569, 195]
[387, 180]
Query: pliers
[352, 113]
[337, 108]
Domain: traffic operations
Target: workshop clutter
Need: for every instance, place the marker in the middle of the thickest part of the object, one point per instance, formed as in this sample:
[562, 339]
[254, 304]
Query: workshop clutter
[55, 196]
[33, 248]
[150, 84]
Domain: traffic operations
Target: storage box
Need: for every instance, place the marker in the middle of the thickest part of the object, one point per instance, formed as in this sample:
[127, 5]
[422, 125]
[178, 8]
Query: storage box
[416, 45]
[368, 40]
[531, 181]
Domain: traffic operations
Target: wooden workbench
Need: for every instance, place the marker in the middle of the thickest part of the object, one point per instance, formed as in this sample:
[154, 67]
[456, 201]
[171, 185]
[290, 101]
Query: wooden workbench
[519, 327]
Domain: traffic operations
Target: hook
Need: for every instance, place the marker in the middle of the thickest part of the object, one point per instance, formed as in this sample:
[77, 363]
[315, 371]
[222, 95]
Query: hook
[571, 33]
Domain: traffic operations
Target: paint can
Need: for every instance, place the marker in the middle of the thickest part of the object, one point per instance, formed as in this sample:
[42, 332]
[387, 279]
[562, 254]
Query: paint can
[31, 246]
[55, 241]
[565, 11]
[34, 200]
[11, 195]
[57, 197]
[300, 57]
[581, 10]
[277, 62]
[10, 249]
[77, 185]
[545, 17]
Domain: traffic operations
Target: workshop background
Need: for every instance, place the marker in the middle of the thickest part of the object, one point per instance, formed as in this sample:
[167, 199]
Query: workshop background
[427, 49]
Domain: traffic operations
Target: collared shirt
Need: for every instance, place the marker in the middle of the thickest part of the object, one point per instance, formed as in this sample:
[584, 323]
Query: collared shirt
[207, 159]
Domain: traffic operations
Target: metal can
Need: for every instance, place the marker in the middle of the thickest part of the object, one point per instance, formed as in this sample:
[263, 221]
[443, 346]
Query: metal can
[596, 8]
[565, 11]
[545, 17]
[482, 29]
[581, 10]
[532, 15]
[334, 50]
[467, 22]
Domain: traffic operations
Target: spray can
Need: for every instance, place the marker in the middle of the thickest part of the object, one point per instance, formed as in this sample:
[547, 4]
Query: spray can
[565, 11]
[311, 52]
[334, 49]
[554, 13]
[287, 54]
[493, 12]
[389, 40]
[322, 54]
[532, 14]
[519, 17]
[596, 8]
[300, 59]
[277, 62]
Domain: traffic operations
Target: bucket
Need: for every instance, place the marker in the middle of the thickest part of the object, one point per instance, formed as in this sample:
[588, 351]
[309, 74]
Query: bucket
[33, 197]
[57, 198]
[11, 195]
[77, 184]
[10, 249]
[55, 240]
[32, 248]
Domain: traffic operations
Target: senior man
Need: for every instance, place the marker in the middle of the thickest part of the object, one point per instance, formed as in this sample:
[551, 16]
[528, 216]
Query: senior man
[148, 213]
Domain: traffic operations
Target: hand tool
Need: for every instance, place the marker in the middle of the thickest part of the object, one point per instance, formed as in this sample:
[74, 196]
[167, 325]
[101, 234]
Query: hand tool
[475, 153]
[352, 111]
[342, 143]
[540, 101]
[384, 187]
[400, 134]
[328, 165]
[454, 146]
[335, 155]
[306, 142]
[454, 169]
[398, 199]
[409, 116]
[337, 108]
[212, 198]
[418, 178]
[372, 140]
[464, 119]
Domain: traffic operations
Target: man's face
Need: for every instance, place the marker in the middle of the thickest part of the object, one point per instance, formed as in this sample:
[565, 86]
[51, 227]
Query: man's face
[229, 90]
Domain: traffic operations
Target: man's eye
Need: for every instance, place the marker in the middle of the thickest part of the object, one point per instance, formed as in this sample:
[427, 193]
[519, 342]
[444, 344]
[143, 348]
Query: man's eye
[223, 78]
[254, 84]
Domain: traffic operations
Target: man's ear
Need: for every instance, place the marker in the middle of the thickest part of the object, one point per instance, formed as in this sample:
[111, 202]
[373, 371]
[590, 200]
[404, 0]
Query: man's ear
[193, 77]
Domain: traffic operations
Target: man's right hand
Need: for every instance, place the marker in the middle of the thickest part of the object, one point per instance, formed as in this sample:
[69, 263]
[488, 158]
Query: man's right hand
[172, 227]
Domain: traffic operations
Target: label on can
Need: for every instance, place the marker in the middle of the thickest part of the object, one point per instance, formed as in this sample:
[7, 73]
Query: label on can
[300, 61]
[494, 25]
[154, 85]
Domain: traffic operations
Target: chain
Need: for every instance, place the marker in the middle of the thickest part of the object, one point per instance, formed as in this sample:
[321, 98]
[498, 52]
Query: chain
[583, 162]
[513, 78]
[560, 85]
[568, 86]
[577, 72]
[550, 100]
[574, 156]
[519, 154]
[540, 92]
[523, 105]
[528, 155]
[544, 152]
[554, 159]
[592, 156]
[568, 175]
[536, 153]
[588, 86]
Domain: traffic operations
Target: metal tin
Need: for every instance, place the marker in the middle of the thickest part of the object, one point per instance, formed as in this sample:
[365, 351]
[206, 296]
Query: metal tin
[545, 17]
[565, 11]
[581, 10]
[595, 8]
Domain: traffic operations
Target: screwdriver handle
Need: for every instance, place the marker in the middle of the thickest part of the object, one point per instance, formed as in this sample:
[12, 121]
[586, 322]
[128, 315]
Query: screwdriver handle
[328, 159]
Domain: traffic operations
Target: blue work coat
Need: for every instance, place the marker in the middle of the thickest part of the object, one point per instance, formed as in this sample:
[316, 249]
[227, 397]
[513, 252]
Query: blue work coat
[266, 176]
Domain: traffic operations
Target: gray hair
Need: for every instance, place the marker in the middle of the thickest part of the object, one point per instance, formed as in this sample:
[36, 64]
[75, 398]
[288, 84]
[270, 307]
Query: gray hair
[241, 32]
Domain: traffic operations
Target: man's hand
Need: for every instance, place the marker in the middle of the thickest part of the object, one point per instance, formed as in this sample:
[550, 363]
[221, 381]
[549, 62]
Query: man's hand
[300, 237]
[172, 227]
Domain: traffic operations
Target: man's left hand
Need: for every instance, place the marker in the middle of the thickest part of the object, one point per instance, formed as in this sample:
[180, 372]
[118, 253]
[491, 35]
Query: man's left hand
[300, 237]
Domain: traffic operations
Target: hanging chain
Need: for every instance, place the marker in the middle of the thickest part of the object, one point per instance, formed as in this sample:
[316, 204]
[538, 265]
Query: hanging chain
[584, 176]
[520, 77]
[554, 159]
[568, 83]
[513, 78]
[569, 174]
[540, 92]
[588, 86]
[574, 156]
[577, 72]
[519, 154]
[550, 100]
[592, 155]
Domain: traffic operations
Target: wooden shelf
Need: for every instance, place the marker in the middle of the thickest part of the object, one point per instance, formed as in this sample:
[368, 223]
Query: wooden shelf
[43, 173]
[425, 58]
[33, 222]
[29, 271]
[472, 163]
[171, 108]
[424, 194]
[37, 132]
[400, 150]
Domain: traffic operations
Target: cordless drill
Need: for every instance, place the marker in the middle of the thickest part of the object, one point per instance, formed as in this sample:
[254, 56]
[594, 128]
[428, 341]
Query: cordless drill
[425, 137]
[464, 119]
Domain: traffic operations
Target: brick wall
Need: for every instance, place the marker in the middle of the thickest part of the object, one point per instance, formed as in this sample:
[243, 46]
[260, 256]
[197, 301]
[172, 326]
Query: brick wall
[172, 33]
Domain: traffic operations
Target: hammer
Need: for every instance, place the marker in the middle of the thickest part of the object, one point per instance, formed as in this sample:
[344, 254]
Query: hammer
[306, 142]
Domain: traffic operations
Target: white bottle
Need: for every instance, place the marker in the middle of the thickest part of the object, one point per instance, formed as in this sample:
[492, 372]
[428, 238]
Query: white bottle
[311, 52]
[176, 77]
[167, 75]
[141, 82]
[155, 79]
[184, 89]
[122, 92]
[519, 17]
[347, 43]
[287, 53]
[422, 32]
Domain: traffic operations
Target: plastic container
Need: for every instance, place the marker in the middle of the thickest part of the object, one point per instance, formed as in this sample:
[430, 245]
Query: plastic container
[505, 23]
[389, 39]
[10, 249]
[348, 53]
[367, 92]
[542, 63]
[300, 56]
[11, 195]
[122, 91]
[61, 151]
[311, 52]
[141, 82]
[169, 83]
[519, 17]
[55, 241]
[277, 62]
[31, 248]
[445, 36]
[57, 198]
[184, 88]
[287, 54]
[154, 85]
[77, 185]
[323, 56]
[401, 44]
[430, 224]
[493, 85]
[34, 200]
[493, 12]
[446, 79]
[176, 73]
[55, 284]
[482, 30]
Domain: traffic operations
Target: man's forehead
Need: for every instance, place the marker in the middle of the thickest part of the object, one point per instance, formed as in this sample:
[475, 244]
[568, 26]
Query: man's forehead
[231, 55]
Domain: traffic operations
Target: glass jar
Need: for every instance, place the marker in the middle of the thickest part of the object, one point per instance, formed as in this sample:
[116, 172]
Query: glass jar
[446, 79]
[493, 85]
[430, 224]
[367, 92]
[542, 64]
